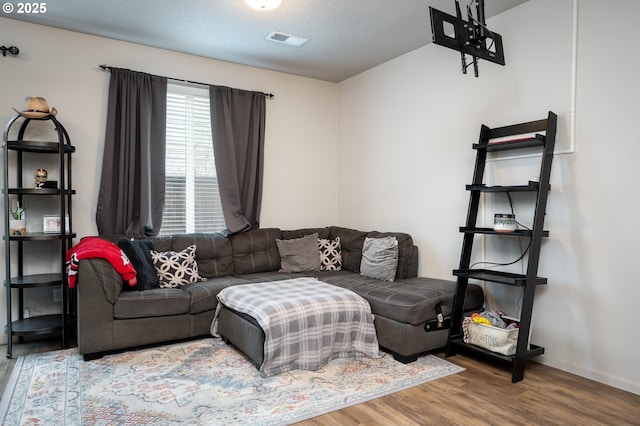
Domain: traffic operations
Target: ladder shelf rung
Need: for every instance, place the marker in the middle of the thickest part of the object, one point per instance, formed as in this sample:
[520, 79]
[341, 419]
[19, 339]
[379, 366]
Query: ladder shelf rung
[537, 140]
[531, 186]
[491, 231]
[533, 351]
[497, 276]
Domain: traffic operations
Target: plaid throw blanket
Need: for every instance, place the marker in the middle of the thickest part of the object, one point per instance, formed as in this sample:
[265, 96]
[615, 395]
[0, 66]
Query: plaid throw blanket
[306, 322]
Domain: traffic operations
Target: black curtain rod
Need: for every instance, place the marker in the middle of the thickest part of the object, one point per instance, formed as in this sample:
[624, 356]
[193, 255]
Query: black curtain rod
[108, 68]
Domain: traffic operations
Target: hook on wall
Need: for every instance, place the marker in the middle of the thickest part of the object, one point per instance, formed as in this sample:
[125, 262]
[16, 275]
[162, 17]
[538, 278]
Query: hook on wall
[11, 49]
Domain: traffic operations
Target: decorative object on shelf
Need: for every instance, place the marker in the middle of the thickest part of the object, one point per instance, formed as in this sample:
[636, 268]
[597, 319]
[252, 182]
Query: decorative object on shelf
[36, 107]
[17, 222]
[51, 224]
[504, 222]
[41, 178]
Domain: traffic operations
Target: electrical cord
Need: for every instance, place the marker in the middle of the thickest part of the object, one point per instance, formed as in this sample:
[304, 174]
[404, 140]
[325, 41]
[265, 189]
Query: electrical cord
[522, 252]
[518, 303]
[513, 213]
[503, 264]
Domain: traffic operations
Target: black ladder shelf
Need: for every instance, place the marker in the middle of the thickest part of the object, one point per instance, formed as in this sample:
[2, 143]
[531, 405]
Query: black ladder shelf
[514, 140]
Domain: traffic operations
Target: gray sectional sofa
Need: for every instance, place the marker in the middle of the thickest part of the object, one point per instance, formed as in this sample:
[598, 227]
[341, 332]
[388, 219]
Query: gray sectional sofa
[406, 309]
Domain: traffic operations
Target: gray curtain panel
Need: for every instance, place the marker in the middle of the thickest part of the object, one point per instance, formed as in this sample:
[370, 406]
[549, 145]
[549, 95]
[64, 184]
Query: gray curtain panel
[237, 128]
[131, 194]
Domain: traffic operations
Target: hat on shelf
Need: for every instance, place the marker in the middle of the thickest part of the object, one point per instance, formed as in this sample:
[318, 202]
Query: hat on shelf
[36, 107]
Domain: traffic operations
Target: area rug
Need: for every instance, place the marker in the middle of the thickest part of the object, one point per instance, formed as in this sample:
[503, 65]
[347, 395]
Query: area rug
[203, 382]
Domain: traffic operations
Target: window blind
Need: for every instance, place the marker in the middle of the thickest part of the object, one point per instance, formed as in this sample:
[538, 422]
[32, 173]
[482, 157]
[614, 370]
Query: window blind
[192, 198]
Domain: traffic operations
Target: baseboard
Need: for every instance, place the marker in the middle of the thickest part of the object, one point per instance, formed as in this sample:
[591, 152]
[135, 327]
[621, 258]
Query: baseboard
[616, 382]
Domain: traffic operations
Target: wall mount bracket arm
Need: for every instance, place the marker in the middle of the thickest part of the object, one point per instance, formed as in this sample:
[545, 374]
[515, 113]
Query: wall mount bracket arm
[467, 37]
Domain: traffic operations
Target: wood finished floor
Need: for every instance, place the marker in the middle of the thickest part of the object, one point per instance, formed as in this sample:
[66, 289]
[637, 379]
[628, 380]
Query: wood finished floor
[484, 395]
[481, 395]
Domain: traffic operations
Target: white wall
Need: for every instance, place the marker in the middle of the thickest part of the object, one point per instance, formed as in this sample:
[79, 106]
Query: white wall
[404, 154]
[406, 129]
[62, 66]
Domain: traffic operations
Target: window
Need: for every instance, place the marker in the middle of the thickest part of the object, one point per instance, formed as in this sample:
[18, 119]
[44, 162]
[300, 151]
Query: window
[192, 198]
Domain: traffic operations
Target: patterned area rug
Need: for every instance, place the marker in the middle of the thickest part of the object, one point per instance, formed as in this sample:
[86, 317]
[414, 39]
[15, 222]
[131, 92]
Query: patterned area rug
[203, 382]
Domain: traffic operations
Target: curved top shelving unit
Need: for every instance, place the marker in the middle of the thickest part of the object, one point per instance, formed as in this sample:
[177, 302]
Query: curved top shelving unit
[18, 247]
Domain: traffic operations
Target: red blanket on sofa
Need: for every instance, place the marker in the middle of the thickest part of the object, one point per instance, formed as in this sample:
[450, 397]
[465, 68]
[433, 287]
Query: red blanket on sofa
[92, 247]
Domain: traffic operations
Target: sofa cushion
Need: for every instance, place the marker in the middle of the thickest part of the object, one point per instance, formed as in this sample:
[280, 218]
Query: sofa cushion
[411, 301]
[204, 293]
[213, 255]
[270, 276]
[139, 253]
[299, 254]
[405, 251]
[379, 258]
[156, 302]
[330, 254]
[299, 233]
[256, 251]
[176, 269]
[162, 243]
[351, 241]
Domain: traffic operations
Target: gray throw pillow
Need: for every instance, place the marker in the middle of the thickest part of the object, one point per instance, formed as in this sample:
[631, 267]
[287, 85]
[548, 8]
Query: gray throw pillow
[299, 254]
[379, 258]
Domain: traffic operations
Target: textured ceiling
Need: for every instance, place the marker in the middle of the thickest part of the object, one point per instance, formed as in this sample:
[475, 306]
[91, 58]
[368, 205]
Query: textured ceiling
[346, 37]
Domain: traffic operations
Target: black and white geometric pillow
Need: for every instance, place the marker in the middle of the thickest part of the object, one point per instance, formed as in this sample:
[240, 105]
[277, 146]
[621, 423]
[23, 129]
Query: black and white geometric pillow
[330, 254]
[175, 269]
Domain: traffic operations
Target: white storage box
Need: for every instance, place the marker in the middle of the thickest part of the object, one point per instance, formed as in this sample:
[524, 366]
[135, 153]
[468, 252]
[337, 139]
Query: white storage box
[492, 338]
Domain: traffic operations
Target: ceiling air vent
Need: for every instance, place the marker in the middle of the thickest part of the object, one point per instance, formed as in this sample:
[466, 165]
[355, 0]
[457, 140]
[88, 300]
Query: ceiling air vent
[289, 39]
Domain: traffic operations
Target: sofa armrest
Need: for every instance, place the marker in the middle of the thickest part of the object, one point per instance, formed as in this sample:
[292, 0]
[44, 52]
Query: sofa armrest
[98, 287]
[101, 274]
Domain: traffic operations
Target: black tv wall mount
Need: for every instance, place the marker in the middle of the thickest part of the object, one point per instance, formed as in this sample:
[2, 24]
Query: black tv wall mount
[471, 37]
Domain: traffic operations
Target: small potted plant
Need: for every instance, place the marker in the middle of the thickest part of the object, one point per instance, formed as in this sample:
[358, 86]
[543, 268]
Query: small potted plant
[17, 221]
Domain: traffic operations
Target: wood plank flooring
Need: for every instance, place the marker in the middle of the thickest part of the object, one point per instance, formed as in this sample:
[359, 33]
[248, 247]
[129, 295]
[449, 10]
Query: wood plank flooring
[484, 395]
[481, 395]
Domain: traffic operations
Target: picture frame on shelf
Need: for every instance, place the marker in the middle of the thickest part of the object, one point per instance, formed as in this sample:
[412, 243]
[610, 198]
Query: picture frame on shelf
[51, 224]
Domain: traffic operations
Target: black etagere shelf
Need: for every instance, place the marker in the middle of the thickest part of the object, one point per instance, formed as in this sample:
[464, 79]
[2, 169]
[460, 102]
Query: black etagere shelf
[17, 255]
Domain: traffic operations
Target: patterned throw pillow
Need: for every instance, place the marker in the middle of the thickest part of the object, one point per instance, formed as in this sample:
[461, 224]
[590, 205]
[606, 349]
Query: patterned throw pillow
[176, 269]
[330, 254]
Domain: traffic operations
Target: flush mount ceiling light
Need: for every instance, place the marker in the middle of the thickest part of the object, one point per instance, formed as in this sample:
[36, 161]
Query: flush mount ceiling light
[263, 4]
